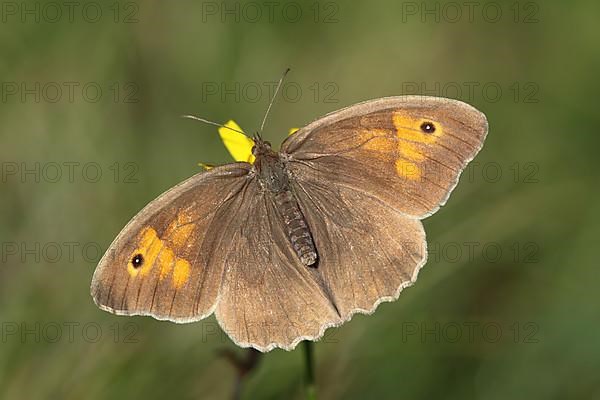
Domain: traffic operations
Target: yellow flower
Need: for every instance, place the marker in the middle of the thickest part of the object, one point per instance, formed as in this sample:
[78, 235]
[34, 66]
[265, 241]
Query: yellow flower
[238, 144]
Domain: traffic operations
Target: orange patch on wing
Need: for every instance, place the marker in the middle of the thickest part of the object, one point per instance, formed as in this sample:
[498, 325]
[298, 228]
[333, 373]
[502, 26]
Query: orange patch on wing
[181, 234]
[171, 228]
[180, 229]
[410, 151]
[148, 236]
[149, 247]
[151, 255]
[409, 128]
[181, 273]
[406, 155]
[185, 217]
[377, 140]
[165, 262]
[156, 250]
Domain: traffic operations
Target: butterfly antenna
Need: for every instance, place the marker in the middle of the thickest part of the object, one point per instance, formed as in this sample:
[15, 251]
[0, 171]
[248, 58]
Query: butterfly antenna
[210, 123]
[262, 125]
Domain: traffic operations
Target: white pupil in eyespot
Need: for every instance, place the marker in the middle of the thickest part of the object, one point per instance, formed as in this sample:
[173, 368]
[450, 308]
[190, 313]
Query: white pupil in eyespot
[427, 127]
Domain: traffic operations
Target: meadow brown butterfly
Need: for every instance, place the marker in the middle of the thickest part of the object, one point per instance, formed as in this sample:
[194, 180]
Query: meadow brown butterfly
[303, 238]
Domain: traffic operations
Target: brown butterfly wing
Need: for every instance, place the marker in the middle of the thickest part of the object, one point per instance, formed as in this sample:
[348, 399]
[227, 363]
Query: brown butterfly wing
[268, 298]
[241, 264]
[365, 175]
[368, 251]
[387, 149]
[178, 236]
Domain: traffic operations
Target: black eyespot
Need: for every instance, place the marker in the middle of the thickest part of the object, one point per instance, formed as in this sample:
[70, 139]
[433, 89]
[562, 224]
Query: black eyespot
[137, 261]
[428, 127]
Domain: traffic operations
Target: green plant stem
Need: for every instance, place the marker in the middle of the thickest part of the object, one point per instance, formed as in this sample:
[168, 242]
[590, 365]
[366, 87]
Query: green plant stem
[310, 371]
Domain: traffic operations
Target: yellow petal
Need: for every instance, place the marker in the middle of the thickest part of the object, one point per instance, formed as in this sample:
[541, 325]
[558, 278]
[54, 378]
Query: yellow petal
[238, 145]
[292, 131]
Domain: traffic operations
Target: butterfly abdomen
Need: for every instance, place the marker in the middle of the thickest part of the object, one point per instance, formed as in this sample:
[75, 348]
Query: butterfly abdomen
[297, 228]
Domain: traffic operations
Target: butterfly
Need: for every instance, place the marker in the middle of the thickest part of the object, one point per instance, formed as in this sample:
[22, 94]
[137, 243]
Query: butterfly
[288, 243]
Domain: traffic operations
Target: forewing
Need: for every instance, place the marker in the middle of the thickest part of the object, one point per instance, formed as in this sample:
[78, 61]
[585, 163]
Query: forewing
[176, 235]
[386, 148]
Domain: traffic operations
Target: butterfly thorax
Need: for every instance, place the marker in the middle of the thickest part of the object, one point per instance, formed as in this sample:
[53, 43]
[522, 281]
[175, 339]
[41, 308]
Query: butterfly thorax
[271, 171]
[273, 177]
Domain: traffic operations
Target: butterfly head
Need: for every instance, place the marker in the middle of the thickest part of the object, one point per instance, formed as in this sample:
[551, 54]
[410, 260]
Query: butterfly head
[261, 147]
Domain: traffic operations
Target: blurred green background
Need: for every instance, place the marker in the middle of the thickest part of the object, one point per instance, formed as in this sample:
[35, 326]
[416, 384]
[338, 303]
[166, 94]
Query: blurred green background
[507, 306]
